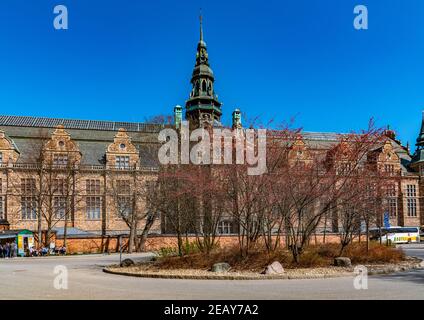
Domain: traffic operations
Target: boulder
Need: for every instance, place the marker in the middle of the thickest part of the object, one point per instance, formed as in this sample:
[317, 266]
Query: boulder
[127, 262]
[274, 268]
[221, 267]
[342, 262]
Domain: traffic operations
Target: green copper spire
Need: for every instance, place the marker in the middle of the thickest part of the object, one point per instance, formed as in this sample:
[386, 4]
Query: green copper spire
[178, 116]
[201, 26]
[203, 107]
[417, 161]
[237, 119]
[420, 139]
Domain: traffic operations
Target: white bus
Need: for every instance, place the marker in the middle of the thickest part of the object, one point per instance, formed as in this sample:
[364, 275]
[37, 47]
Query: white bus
[396, 235]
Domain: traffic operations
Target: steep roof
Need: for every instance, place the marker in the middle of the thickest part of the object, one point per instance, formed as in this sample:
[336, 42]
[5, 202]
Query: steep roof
[92, 137]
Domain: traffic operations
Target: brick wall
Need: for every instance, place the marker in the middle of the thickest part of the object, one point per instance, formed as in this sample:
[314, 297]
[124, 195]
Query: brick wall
[154, 243]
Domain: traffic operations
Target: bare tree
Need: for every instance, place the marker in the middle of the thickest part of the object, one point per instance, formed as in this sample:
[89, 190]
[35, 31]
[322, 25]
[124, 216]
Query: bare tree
[131, 192]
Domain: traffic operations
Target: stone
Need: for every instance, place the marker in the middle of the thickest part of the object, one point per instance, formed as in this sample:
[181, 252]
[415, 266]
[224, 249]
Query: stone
[342, 262]
[274, 268]
[127, 263]
[221, 267]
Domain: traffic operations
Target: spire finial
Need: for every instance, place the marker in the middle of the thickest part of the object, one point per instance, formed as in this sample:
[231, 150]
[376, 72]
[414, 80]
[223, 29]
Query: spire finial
[201, 25]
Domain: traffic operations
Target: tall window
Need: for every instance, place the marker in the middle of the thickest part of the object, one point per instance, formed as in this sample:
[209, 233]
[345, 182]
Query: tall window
[391, 200]
[411, 190]
[28, 199]
[124, 198]
[59, 206]
[412, 207]
[122, 162]
[59, 186]
[29, 208]
[124, 206]
[411, 201]
[1, 157]
[392, 207]
[93, 207]
[225, 227]
[28, 186]
[1, 208]
[391, 190]
[123, 187]
[93, 200]
[92, 186]
[60, 159]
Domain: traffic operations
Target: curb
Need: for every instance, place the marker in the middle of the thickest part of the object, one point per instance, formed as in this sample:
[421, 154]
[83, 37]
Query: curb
[94, 255]
[381, 271]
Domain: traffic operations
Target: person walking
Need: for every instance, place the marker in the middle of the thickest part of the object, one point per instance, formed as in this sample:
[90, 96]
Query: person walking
[52, 247]
[1, 251]
[7, 250]
[14, 250]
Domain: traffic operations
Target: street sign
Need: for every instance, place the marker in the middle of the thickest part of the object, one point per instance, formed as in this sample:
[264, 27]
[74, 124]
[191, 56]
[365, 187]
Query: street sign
[386, 220]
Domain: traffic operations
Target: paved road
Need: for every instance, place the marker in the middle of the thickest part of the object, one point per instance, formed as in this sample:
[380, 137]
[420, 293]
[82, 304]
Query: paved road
[33, 278]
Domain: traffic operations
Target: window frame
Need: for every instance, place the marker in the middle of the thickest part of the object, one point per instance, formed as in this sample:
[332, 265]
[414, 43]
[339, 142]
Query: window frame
[93, 208]
[122, 162]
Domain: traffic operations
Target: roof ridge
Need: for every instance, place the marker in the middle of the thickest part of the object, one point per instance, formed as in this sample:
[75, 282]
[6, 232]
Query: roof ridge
[83, 124]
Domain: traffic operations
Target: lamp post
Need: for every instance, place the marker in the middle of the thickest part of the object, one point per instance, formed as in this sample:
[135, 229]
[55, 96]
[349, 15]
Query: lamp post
[120, 249]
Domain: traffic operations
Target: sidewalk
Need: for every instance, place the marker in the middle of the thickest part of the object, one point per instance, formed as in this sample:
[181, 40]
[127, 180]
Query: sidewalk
[92, 255]
[411, 246]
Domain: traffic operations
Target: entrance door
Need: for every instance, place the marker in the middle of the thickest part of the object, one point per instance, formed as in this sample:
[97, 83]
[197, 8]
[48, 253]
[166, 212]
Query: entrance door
[26, 247]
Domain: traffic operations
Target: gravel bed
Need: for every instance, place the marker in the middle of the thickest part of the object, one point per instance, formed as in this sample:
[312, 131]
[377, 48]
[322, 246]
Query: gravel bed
[146, 271]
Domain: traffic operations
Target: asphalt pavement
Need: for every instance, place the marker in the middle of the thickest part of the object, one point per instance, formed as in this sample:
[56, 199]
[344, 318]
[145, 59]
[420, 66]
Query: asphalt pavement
[37, 278]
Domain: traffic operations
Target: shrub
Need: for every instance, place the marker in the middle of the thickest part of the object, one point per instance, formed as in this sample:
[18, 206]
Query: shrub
[167, 251]
[313, 256]
[376, 254]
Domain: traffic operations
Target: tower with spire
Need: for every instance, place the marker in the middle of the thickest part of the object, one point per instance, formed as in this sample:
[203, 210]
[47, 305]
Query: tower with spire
[203, 109]
[418, 157]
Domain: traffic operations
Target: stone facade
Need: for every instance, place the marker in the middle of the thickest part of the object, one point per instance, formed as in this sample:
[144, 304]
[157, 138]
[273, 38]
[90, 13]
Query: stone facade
[72, 181]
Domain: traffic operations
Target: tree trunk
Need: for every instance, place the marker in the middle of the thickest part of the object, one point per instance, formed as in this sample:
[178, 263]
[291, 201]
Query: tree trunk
[131, 238]
[39, 208]
[180, 244]
[65, 229]
[368, 236]
[149, 223]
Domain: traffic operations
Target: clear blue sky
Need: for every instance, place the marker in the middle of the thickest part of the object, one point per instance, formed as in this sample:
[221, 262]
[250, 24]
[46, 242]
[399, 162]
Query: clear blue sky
[129, 60]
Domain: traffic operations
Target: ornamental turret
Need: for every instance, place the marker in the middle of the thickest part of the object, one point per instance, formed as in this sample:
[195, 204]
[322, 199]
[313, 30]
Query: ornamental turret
[203, 108]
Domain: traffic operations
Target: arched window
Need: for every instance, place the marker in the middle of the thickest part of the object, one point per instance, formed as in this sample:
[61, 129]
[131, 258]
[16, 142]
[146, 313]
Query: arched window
[209, 88]
[204, 86]
[197, 88]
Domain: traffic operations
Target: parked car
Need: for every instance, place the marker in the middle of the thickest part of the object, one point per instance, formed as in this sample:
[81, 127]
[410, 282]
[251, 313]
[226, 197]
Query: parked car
[422, 233]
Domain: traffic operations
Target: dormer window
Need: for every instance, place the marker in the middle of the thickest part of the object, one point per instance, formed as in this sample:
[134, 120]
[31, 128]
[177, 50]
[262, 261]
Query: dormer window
[60, 159]
[61, 144]
[389, 168]
[122, 146]
[122, 162]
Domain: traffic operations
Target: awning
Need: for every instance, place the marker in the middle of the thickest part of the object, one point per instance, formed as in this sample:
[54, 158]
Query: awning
[7, 236]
